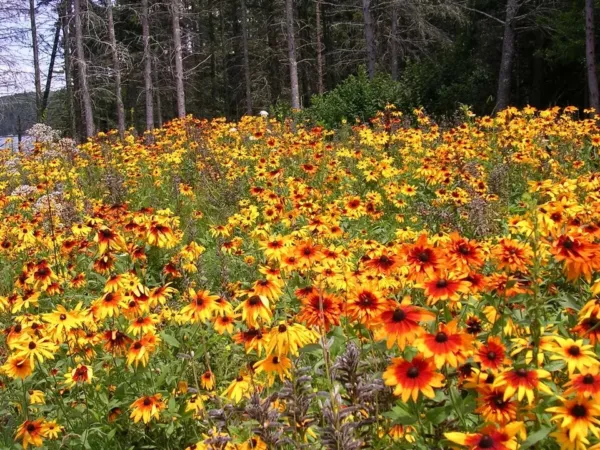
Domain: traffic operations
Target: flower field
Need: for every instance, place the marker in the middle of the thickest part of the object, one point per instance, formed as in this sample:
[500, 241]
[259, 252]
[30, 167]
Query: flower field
[261, 285]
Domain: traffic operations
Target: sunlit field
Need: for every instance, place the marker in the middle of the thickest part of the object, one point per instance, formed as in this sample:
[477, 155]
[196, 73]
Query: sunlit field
[264, 285]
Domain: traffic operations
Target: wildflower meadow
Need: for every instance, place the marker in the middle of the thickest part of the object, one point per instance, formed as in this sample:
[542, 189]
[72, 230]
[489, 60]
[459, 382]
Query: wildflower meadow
[269, 285]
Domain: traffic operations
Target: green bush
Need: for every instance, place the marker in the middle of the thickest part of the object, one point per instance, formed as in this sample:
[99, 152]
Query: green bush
[356, 97]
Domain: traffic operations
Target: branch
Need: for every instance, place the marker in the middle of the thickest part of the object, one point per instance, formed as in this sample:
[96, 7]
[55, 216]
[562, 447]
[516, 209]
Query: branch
[489, 16]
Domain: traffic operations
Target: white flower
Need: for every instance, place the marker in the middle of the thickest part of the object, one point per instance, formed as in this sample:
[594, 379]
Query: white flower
[263, 114]
[233, 130]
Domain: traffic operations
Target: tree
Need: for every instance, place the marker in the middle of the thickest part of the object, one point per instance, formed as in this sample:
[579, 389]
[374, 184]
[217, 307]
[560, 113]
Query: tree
[86, 99]
[590, 56]
[319, 37]
[247, 79]
[147, 57]
[508, 53]
[293, 62]
[36, 61]
[116, 68]
[176, 13]
[369, 37]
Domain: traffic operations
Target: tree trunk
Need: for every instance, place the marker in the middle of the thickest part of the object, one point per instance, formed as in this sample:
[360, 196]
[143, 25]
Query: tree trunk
[176, 14]
[246, 59]
[69, 70]
[116, 69]
[369, 37]
[159, 117]
[50, 71]
[147, 67]
[88, 115]
[36, 62]
[272, 44]
[508, 53]
[590, 56]
[289, 19]
[319, 31]
[394, 40]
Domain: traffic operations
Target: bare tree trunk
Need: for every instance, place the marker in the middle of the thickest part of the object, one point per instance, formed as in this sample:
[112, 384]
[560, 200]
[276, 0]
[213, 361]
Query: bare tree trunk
[590, 55]
[508, 53]
[69, 69]
[369, 37]
[50, 71]
[88, 115]
[147, 67]
[176, 14]
[319, 30]
[159, 117]
[36, 62]
[246, 59]
[289, 19]
[394, 40]
[116, 69]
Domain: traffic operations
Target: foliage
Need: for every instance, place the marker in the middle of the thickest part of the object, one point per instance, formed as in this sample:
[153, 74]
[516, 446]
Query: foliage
[355, 98]
[261, 284]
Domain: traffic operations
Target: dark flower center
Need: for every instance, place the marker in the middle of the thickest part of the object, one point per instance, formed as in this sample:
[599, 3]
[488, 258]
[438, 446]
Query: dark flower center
[464, 249]
[568, 244]
[275, 360]
[499, 401]
[30, 428]
[521, 373]
[441, 337]
[137, 345]
[579, 411]
[588, 379]
[574, 350]
[254, 300]
[32, 345]
[486, 441]
[63, 317]
[491, 356]
[424, 256]
[147, 402]
[413, 372]
[441, 284]
[399, 315]
[282, 328]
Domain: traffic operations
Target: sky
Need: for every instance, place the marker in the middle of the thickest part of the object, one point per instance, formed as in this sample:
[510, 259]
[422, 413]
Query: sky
[16, 51]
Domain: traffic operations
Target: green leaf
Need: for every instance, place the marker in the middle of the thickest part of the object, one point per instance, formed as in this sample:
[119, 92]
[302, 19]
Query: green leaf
[400, 416]
[437, 415]
[311, 348]
[536, 437]
[170, 340]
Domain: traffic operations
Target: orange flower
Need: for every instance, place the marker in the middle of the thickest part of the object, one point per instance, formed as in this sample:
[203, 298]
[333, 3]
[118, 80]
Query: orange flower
[464, 254]
[446, 346]
[31, 432]
[444, 287]
[512, 255]
[365, 304]
[577, 253]
[410, 378]
[147, 408]
[319, 309]
[522, 382]
[491, 355]
[399, 323]
[422, 259]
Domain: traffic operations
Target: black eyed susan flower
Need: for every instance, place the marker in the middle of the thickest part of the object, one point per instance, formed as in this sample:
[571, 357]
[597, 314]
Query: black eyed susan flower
[576, 354]
[409, 378]
[579, 416]
[147, 408]
[522, 382]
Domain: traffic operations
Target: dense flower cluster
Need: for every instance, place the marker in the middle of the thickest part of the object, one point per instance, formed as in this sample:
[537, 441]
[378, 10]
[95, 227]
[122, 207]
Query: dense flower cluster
[263, 285]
